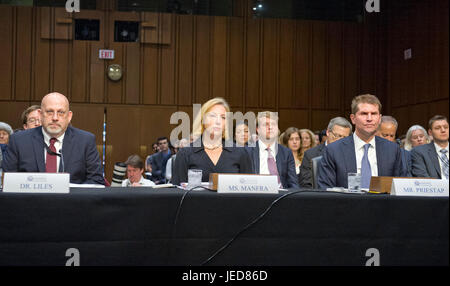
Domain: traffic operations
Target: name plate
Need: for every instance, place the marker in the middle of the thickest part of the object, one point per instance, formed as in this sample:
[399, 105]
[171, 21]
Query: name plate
[36, 183]
[247, 184]
[419, 187]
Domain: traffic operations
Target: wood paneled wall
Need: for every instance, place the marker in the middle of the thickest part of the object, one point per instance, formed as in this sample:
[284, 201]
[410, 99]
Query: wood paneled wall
[418, 88]
[308, 71]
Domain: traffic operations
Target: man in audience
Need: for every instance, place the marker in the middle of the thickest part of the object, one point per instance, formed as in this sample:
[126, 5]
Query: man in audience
[135, 169]
[268, 156]
[159, 161]
[338, 128]
[432, 160]
[31, 117]
[55, 146]
[363, 152]
[388, 130]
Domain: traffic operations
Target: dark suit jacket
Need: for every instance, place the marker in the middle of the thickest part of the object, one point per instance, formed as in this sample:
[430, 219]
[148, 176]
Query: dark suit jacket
[285, 165]
[406, 160]
[425, 161]
[305, 175]
[339, 159]
[26, 150]
[159, 163]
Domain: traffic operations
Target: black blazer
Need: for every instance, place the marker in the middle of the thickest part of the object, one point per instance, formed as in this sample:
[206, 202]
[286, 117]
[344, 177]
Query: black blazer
[80, 156]
[305, 175]
[232, 160]
[285, 165]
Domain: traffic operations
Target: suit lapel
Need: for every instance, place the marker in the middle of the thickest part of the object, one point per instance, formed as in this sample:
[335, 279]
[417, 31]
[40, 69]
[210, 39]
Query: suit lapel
[256, 157]
[279, 159]
[379, 150]
[68, 144]
[434, 158]
[39, 148]
[349, 152]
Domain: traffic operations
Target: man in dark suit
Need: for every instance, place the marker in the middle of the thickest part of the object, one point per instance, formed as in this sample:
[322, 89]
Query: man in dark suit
[431, 160]
[388, 130]
[363, 152]
[159, 161]
[268, 156]
[55, 146]
[338, 128]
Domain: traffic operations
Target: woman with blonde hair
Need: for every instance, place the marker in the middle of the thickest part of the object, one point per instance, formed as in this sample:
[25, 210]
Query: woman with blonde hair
[291, 139]
[308, 141]
[213, 150]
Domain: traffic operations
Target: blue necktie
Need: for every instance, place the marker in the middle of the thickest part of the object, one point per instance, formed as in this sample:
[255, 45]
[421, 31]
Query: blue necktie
[366, 171]
[444, 163]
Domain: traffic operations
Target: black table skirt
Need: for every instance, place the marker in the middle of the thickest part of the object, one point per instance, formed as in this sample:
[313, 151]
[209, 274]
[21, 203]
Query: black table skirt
[136, 226]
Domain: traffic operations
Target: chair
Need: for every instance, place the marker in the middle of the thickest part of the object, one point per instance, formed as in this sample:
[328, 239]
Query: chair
[315, 163]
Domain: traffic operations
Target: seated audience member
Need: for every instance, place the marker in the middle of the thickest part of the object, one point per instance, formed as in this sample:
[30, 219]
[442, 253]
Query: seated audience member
[363, 152]
[322, 137]
[388, 130]
[268, 156]
[159, 161]
[171, 162]
[31, 117]
[241, 134]
[55, 146]
[291, 139]
[431, 160]
[338, 128]
[155, 147]
[416, 136]
[211, 152]
[135, 170]
[308, 141]
[5, 132]
[317, 137]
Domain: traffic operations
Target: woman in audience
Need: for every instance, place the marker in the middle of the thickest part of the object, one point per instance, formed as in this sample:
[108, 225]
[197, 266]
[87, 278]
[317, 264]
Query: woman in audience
[5, 132]
[292, 140]
[241, 134]
[416, 136]
[308, 141]
[213, 151]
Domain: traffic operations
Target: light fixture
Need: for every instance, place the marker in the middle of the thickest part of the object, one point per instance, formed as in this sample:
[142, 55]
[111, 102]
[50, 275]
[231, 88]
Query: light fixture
[114, 72]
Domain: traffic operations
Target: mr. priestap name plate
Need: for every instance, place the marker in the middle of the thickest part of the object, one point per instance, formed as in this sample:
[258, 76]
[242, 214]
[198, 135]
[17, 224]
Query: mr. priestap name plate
[36, 183]
[419, 187]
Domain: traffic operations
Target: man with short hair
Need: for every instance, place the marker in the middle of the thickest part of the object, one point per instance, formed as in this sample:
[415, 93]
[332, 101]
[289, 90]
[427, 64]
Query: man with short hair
[31, 117]
[432, 160]
[363, 152]
[338, 128]
[55, 146]
[135, 169]
[388, 130]
[268, 156]
[159, 161]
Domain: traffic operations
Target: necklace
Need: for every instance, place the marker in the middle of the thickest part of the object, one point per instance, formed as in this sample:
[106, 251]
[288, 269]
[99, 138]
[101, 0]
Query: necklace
[212, 147]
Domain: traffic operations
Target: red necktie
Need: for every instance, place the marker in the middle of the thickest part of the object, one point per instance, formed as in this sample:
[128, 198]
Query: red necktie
[50, 162]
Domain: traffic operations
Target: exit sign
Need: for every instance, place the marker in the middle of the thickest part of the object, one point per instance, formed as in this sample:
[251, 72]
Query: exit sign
[106, 54]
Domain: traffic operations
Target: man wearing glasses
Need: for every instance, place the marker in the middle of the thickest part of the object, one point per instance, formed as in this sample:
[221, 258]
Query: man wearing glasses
[31, 117]
[338, 128]
[55, 146]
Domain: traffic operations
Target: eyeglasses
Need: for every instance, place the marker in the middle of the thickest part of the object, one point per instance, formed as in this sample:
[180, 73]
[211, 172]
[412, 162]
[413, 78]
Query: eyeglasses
[338, 136]
[33, 120]
[51, 113]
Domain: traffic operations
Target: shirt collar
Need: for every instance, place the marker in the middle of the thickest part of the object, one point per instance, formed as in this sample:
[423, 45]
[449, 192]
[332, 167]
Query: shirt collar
[273, 147]
[439, 148]
[47, 137]
[359, 143]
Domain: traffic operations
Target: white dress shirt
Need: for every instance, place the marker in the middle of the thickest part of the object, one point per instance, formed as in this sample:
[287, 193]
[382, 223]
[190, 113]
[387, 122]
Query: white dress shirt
[143, 182]
[58, 147]
[438, 151]
[372, 154]
[264, 155]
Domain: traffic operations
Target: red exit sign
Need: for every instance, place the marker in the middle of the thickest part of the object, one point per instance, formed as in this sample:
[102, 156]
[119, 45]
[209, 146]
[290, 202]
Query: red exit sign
[106, 54]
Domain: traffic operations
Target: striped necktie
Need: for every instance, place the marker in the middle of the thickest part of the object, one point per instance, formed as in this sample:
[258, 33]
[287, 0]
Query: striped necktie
[444, 160]
[366, 171]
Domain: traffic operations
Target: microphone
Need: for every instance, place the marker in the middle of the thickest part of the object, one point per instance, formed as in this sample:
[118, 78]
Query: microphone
[60, 155]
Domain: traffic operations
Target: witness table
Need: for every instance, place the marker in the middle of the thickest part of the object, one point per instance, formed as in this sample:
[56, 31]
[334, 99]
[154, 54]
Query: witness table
[136, 226]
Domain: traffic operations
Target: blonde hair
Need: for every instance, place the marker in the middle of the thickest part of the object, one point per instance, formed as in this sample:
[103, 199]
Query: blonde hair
[198, 127]
[312, 138]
